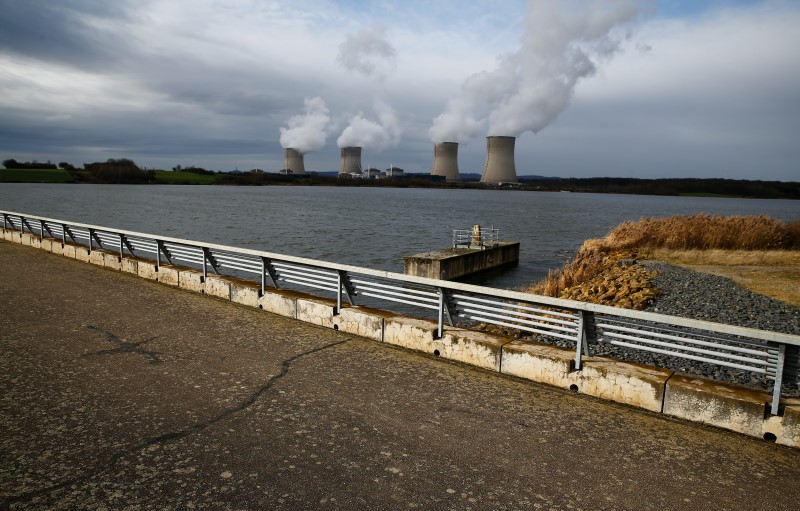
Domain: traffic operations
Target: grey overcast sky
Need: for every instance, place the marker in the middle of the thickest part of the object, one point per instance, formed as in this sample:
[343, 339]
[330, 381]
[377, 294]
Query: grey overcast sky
[667, 88]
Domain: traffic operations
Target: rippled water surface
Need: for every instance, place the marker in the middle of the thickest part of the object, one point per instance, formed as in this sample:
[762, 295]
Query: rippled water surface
[371, 227]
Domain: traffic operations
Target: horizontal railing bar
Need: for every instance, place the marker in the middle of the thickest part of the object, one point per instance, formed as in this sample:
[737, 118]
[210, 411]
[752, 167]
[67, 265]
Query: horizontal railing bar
[303, 268]
[316, 286]
[232, 258]
[573, 331]
[687, 340]
[392, 299]
[406, 289]
[517, 306]
[683, 349]
[286, 276]
[321, 277]
[189, 259]
[512, 312]
[758, 370]
[234, 266]
[525, 328]
[364, 289]
[664, 327]
[185, 255]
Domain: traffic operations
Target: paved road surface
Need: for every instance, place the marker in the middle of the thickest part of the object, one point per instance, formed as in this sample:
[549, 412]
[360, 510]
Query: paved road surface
[117, 393]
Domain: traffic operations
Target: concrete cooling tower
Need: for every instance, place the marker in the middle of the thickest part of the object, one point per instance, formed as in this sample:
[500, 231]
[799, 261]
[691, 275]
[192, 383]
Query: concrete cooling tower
[445, 161]
[293, 161]
[351, 160]
[499, 166]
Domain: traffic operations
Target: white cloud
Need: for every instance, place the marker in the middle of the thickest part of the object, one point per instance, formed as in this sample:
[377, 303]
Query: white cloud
[716, 93]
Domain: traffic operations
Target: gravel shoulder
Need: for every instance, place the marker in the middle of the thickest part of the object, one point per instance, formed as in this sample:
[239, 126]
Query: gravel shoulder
[691, 294]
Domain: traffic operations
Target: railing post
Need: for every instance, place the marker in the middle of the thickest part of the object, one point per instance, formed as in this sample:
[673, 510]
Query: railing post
[121, 246]
[158, 254]
[440, 324]
[263, 276]
[91, 236]
[580, 344]
[776, 391]
[205, 263]
[64, 234]
[4, 222]
[41, 228]
[339, 285]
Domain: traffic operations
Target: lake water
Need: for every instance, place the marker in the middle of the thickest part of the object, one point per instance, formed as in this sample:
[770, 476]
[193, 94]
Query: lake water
[372, 227]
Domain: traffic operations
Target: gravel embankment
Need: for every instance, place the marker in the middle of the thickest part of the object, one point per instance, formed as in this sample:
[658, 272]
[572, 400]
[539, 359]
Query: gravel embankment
[691, 294]
[697, 295]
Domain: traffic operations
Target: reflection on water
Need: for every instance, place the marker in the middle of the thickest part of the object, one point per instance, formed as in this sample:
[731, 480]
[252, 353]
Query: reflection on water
[371, 227]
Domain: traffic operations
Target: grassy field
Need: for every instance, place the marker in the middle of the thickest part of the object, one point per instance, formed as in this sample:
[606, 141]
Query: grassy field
[34, 176]
[184, 178]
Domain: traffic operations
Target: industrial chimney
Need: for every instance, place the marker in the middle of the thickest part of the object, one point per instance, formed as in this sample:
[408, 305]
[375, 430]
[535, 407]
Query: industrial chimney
[499, 166]
[445, 160]
[351, 160]
[293, 161]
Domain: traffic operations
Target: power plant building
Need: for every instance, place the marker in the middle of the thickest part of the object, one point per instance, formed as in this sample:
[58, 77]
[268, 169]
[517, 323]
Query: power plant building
[445, 161]
[293, 162]
[499, 166]
[351, 161]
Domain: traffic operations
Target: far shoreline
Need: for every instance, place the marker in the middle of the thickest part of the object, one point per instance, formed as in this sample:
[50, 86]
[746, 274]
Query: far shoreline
[672, 187]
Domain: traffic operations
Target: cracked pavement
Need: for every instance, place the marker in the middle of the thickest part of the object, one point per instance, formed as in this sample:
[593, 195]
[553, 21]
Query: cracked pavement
[246, 410]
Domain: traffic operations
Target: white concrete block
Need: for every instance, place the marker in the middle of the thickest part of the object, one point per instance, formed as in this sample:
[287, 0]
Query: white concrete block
[317, 311]
[415, 334]
[281, 302]
[191, 280]
[479, 349]
[168, 275]
[218, 287]
[716, 403]
[245, 293]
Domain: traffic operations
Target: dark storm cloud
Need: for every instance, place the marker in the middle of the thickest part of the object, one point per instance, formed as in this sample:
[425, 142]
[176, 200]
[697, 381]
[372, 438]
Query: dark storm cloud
[61, 32]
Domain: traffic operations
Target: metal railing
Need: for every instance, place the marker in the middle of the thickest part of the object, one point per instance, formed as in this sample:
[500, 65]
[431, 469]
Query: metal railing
[472, 238]
[772, 355]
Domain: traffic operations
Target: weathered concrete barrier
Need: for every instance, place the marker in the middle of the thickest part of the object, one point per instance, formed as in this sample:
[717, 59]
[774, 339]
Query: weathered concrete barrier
[695, 399]
[452, 263]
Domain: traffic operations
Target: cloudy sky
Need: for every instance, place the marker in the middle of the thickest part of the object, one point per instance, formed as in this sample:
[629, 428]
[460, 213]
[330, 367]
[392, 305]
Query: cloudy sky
[668, 88]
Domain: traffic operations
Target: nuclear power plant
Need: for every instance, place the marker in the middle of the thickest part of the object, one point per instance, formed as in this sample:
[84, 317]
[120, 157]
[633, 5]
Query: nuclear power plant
[499, 166]
[351, 160]
[445, 161]
[293, 162]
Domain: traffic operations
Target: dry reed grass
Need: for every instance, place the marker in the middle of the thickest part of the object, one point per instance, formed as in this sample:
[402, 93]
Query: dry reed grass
[696, 233]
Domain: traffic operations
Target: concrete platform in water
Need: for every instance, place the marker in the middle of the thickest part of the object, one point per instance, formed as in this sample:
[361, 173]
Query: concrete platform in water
[453, 263]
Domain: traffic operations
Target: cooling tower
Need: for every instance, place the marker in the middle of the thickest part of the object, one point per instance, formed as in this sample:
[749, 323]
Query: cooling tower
[351, 160]
[293, 161]
[499, 166]
[445, 160]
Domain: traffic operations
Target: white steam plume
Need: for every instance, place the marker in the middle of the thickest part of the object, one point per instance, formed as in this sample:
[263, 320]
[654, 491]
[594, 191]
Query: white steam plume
[368, 53]
[308, 131]
[563, 41]
[363, 132]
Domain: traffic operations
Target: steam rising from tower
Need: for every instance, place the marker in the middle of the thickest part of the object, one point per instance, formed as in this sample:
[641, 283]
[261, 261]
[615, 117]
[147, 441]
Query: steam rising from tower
[377, 135]
[293, 161]
[499, 166]
[563, 42]
[445, 160]
[351, 160]
[307, 132]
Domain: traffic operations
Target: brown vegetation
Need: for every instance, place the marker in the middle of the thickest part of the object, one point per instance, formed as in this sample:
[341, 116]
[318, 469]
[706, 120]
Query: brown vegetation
[604, 270]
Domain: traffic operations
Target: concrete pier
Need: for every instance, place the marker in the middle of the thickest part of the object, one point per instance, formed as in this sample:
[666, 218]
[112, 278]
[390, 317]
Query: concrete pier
[453, 263]
[121, 393]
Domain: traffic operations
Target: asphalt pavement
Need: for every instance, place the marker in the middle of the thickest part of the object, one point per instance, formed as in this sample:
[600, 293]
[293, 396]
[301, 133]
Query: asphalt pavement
[119, 393]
